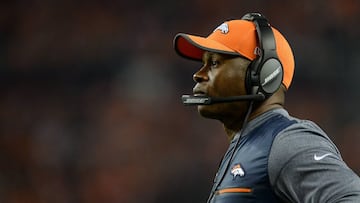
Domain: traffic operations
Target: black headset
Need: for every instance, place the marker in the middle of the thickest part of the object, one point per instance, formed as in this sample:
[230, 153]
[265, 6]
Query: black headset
[265, 73]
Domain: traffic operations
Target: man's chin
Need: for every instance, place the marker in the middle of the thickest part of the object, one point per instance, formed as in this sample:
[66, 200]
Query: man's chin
[208, 111]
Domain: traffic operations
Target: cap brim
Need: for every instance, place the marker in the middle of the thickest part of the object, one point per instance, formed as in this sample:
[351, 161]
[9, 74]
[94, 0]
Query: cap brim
[193, 47]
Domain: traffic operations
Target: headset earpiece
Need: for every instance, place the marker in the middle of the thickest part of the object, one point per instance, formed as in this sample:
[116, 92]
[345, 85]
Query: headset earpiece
[265, 73]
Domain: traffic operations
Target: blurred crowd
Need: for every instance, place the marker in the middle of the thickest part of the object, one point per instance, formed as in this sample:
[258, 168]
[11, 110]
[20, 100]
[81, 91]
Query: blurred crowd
[90, 107]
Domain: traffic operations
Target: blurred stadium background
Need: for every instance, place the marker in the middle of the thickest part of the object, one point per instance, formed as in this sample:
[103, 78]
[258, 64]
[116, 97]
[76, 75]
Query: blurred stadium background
[90, 92]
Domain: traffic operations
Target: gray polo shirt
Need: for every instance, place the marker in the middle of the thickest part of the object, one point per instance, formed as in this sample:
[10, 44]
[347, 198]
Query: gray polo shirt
[305, 165]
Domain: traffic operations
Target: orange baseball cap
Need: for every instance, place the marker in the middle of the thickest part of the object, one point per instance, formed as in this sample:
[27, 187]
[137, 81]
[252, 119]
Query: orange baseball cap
[235, 37]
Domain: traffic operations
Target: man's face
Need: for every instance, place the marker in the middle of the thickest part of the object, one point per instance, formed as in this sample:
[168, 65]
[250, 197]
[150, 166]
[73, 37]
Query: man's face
[221, 76]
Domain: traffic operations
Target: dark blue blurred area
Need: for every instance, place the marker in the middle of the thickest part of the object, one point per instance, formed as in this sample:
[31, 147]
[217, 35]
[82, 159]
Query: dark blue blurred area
[90, 108]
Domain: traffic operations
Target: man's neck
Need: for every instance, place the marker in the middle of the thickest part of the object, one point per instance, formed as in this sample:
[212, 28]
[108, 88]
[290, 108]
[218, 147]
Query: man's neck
[234, 126]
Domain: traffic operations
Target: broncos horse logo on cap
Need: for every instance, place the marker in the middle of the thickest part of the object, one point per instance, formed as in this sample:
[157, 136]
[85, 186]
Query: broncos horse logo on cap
[224, 28]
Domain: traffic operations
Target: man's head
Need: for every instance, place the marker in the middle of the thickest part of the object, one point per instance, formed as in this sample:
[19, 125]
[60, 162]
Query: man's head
[241, 45]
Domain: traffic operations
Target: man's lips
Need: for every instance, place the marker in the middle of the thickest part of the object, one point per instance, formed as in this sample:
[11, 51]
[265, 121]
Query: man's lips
[199, 92]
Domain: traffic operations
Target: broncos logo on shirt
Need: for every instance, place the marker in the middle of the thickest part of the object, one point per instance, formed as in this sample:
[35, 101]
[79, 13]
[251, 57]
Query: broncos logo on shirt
[237, 170]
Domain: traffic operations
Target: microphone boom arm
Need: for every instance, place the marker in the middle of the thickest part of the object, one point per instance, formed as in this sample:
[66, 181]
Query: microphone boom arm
[205, 100]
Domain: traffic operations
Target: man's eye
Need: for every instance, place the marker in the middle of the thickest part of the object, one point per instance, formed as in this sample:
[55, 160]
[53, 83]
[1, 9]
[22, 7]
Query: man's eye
[214, 64]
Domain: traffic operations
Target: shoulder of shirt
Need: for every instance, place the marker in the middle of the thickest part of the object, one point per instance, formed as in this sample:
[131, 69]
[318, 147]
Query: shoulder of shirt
[301, 127]
[302, 135]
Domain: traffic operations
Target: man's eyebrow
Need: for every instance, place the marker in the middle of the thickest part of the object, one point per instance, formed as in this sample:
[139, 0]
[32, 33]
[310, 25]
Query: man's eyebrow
[208, 55]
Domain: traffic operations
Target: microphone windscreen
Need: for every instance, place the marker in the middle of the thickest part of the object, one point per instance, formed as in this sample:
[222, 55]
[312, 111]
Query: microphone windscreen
[195, 100]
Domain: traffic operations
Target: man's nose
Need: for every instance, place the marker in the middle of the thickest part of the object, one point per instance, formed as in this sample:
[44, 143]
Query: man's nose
[201, 75]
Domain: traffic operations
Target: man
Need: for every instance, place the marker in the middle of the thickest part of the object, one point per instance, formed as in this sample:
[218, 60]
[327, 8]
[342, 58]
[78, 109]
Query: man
[273, 157]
